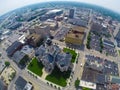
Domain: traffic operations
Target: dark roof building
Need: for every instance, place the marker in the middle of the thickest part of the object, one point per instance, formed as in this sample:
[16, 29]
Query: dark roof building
[20, 83]
[2, 85]
[115, 80]
[117, 37]
[100, 79]
[78, 22]
[71, 13]
[109, 43]
[13, 48]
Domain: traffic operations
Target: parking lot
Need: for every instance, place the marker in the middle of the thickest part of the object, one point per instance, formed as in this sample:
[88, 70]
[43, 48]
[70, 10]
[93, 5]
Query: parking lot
[95, 42]
[104, 66]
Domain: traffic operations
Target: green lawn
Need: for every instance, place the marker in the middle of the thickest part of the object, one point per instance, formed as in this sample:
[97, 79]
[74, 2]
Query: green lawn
[59, 77]
[119, 52]
[85, 88]
[72, 52]
[36, 67]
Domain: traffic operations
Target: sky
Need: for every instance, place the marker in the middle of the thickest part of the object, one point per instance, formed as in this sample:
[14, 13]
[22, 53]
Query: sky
[8, 5]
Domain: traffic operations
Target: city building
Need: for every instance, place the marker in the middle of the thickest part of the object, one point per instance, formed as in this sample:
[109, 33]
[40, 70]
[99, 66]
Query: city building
[14, 25]
[13, 48]
[18, 56]
[101, 65]
[78, 22]
[28, 50]
[114, 87]
[22, 84]
[99, 29]
[51, 14]
[54, 12]
[71, 13]
[86, 84]
[33, 39]
[109, 48]
[52, 24]
[115, 79]
[2, 85]
[41, 29]
[75, 36]
[117, 37]
[51, 55]
[2, 66]
[63, 61]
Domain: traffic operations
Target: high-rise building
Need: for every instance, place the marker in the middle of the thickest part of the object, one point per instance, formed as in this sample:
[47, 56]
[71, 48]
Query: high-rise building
[71, 13]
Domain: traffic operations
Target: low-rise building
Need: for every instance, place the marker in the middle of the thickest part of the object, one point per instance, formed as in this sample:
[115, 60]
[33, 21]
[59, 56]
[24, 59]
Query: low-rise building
[86, 84]
[22, 84]
[75, 36]
[2, 65]
[2, 85]
[18, 56]
[117, 37]
[109, 48]
[78, 22]
[52, 24]
[13, 48]
[28, 50]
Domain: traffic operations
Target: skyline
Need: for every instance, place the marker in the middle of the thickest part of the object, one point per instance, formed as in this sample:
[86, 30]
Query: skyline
[7, 6]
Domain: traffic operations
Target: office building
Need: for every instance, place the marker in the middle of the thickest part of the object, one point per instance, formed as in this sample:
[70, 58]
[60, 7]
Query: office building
[71, 13]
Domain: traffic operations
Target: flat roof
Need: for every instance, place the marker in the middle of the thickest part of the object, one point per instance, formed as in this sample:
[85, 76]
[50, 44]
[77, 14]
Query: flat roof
[76, 32]
[87, 84]
[75, 36]
[13, 47]
[20, 83]
[108, 43]
[54, 11]
[33, 36]
[28, 86]
[115, 79]
[118, 35]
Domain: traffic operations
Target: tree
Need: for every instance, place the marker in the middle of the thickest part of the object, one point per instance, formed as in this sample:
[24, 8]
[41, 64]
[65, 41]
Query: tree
[88, 40]
[77, 83]
[7, 63]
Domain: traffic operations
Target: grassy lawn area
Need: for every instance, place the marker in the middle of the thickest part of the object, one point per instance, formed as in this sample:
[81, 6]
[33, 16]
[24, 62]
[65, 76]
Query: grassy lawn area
[36, 67]
[85, 88]
[72, 52]
[58, 77]
[119, 52]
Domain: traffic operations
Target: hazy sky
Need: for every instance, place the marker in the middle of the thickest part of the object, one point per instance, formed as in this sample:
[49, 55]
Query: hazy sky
[8, 5]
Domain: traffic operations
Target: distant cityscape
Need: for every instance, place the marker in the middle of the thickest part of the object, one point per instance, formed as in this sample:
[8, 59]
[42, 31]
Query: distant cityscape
[60, 46]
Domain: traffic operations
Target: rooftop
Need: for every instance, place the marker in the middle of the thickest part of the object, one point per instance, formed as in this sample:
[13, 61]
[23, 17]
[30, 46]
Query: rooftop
[76, 32]
[20, 83]
[18, 55]
[54, 11]
[88, 84]
[13, 47]
[115, 79]
[2, 85]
